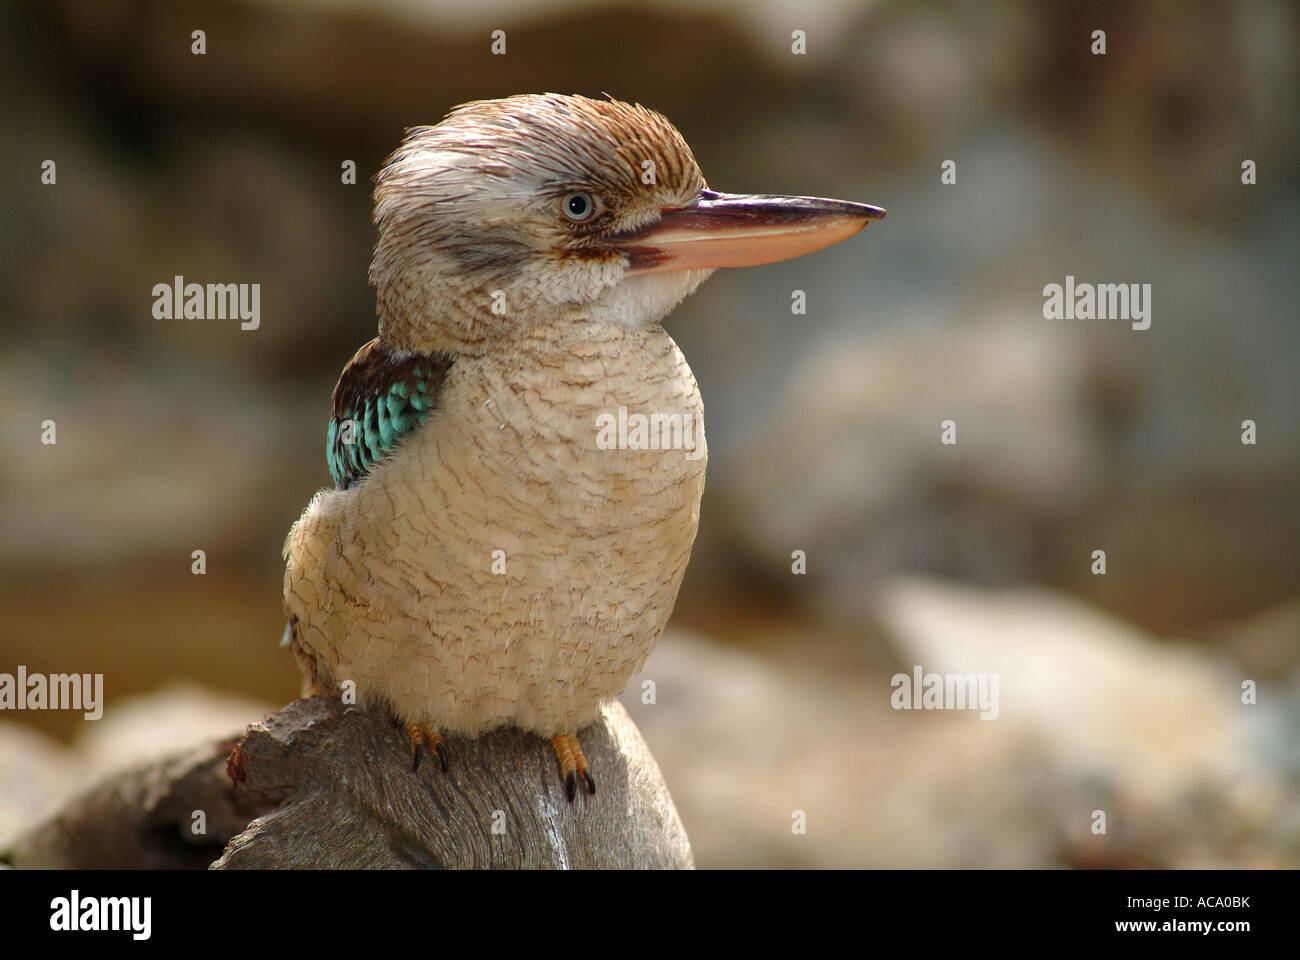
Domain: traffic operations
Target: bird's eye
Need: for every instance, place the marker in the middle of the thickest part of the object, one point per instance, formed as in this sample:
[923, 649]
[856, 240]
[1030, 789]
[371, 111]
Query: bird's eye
[578, 206]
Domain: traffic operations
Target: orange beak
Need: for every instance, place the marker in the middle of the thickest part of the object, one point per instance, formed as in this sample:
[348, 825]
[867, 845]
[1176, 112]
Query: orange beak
[741, 230]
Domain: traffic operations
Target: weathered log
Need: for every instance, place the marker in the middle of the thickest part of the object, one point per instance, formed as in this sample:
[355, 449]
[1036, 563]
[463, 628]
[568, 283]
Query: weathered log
[349, 798]
[322, 785]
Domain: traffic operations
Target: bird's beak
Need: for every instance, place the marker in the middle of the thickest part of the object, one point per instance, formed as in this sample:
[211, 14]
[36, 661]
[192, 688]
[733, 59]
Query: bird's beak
[741, 230]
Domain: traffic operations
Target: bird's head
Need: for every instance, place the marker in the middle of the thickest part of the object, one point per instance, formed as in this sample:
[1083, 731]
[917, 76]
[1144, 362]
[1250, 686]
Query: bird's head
[537, 208]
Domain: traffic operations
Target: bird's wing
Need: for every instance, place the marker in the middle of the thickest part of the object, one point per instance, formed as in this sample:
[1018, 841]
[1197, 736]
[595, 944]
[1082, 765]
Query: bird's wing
[380, 398]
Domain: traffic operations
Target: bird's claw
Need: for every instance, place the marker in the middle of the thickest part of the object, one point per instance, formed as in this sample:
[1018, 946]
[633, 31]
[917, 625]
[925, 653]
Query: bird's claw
[420, 735]
[573, 765]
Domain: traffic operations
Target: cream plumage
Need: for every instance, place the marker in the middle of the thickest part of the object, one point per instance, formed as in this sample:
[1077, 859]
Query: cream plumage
[482, 560]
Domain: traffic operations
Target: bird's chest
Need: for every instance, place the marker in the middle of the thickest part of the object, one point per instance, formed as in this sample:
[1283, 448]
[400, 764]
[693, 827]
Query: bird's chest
[596, 439]
[538, 533]
[585, 464]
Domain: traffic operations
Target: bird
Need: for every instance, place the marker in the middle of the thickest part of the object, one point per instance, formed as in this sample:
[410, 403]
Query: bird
[481, 560]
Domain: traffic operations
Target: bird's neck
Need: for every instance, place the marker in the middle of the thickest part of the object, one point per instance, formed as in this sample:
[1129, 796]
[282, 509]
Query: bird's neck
[462, 323]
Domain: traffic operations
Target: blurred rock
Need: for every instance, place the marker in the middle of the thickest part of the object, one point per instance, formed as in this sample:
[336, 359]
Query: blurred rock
[864, 485]
[744, 746]
[175, 811]
[1267, 646]
[129, 477]
[37, 774]
[1156, 734]
[1106, 699]
[1093, 715]
[1149, 111]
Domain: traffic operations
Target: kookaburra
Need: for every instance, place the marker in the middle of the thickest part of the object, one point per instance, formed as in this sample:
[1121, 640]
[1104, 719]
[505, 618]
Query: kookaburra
[483, 558]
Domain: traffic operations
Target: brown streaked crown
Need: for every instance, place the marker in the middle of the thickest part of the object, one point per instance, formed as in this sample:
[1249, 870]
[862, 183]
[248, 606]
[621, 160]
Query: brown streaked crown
[604, 142]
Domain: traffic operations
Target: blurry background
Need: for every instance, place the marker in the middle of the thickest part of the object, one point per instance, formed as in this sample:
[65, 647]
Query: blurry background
[1118, 692]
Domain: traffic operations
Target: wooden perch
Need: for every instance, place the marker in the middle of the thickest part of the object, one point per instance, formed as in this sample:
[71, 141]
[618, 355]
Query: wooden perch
[331, 786]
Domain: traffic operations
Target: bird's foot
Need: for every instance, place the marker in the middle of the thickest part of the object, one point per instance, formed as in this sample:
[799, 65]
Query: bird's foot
[573, 765]
[422, 736]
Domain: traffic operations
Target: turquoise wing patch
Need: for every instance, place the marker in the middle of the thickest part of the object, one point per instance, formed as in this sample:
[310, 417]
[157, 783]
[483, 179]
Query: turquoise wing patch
[380, 398]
